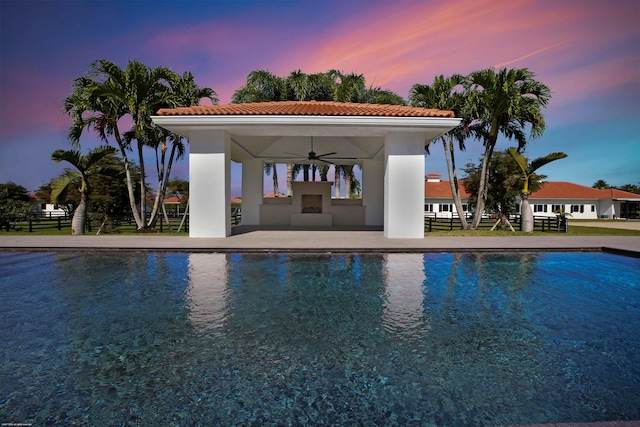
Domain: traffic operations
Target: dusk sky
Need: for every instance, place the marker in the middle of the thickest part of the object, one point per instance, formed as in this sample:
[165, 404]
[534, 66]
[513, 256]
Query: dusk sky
[586, 51]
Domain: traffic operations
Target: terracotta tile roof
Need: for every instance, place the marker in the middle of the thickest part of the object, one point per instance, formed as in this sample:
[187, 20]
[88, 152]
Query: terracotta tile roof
[175, 200]
[566, 190]
[549, 190]
[272, 194]
[442, 190]
[305, 108]
[614, 193]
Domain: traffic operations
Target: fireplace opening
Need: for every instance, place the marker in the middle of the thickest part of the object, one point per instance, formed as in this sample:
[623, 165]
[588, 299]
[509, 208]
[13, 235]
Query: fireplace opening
[311, 203]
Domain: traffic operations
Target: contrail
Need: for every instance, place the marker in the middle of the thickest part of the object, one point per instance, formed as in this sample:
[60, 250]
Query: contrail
[529, 55]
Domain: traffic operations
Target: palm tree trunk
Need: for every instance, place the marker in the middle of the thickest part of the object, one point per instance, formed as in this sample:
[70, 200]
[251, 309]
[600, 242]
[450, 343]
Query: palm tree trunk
[79, 216]
[184, 216]
[449, 155]
[143, 189]
[348, 176]
[483, 187]
[159, 194]
[336, 181]
[127, 172]
[526, 215]
[289, 180]
[276, 187]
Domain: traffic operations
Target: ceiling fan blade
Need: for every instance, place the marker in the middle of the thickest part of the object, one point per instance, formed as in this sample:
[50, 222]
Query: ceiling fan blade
[294, 154]
[326, 154]
[344, 158]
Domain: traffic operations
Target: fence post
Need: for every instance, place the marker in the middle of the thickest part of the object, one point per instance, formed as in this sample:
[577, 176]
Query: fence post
[30, 225]
[59, 224]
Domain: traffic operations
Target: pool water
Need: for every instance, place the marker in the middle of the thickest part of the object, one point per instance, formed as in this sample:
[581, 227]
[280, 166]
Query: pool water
[318, 339]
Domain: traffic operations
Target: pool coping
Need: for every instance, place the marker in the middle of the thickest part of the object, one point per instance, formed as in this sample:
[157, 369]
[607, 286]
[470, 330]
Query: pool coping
[269, 241]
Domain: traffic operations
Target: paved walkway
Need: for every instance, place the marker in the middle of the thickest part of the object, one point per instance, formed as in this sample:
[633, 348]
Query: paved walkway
[324, 241]
[613, 223]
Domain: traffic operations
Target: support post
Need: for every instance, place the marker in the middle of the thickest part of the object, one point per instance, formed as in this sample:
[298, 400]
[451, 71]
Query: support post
[404, 185]
[210, 184]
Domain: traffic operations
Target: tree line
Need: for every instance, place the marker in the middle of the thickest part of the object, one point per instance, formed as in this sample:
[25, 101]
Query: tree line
[117, 104]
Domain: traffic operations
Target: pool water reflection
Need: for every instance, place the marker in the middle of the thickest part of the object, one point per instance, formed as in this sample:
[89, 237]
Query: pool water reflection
[319, 339]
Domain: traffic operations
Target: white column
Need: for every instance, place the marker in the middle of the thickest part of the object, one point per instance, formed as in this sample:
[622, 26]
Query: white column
[209, 184]
[373, 191]
[252, 189]
[404, 186]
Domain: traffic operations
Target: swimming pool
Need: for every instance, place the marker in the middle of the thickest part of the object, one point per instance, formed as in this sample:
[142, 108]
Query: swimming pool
[319, 339]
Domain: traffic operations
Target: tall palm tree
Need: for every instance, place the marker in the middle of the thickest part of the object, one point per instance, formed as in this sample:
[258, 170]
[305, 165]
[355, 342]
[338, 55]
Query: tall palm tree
[444, 94]
[183, 92]
[90, 110]
[108, 93]
[85, 166]
[503, 103]
[528, 169]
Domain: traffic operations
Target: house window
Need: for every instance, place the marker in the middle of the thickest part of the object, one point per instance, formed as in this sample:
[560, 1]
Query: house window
[539, 208]
[465, 207]
[445, 208]
[517, 208]
[557, 208]
[428, 207]
[593, 208]
[577, 208]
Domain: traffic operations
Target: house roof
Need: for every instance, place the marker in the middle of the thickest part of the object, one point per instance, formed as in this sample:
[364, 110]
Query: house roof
[306, 108]
[549, 190]
[176, 200]
[442, 190]
[565, 190]
[272, 194]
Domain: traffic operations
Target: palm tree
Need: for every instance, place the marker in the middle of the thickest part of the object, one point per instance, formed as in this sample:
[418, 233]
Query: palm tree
[108, 93]
[528, 169]
[503, 103]
[601, 184]
[268, 167]
[443, 94]
[88, 109]
[183, 92]
[86, 166]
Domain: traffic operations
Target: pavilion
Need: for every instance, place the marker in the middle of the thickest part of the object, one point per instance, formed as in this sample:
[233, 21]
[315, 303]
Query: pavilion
[387, 141]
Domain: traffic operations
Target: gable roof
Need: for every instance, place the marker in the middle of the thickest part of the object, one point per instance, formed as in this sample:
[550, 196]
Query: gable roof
[305, 108]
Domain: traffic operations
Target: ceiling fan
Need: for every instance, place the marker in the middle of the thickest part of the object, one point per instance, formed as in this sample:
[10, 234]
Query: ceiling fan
[312, 156]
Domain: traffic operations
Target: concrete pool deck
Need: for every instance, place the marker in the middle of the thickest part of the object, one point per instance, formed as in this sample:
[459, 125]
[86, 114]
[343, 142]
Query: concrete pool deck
[323, 241]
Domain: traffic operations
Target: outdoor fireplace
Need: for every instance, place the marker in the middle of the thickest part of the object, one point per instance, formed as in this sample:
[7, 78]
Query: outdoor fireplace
[311, 203]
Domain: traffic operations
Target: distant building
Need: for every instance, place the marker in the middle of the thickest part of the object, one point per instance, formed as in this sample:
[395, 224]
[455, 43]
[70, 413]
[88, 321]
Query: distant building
[580, 201]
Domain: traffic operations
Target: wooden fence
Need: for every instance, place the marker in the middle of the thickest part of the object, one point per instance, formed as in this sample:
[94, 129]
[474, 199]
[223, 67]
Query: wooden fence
[539, 223]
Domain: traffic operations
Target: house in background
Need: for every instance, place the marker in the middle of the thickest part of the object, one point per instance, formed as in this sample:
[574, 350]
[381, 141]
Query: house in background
[46, 210]
[578, 200]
